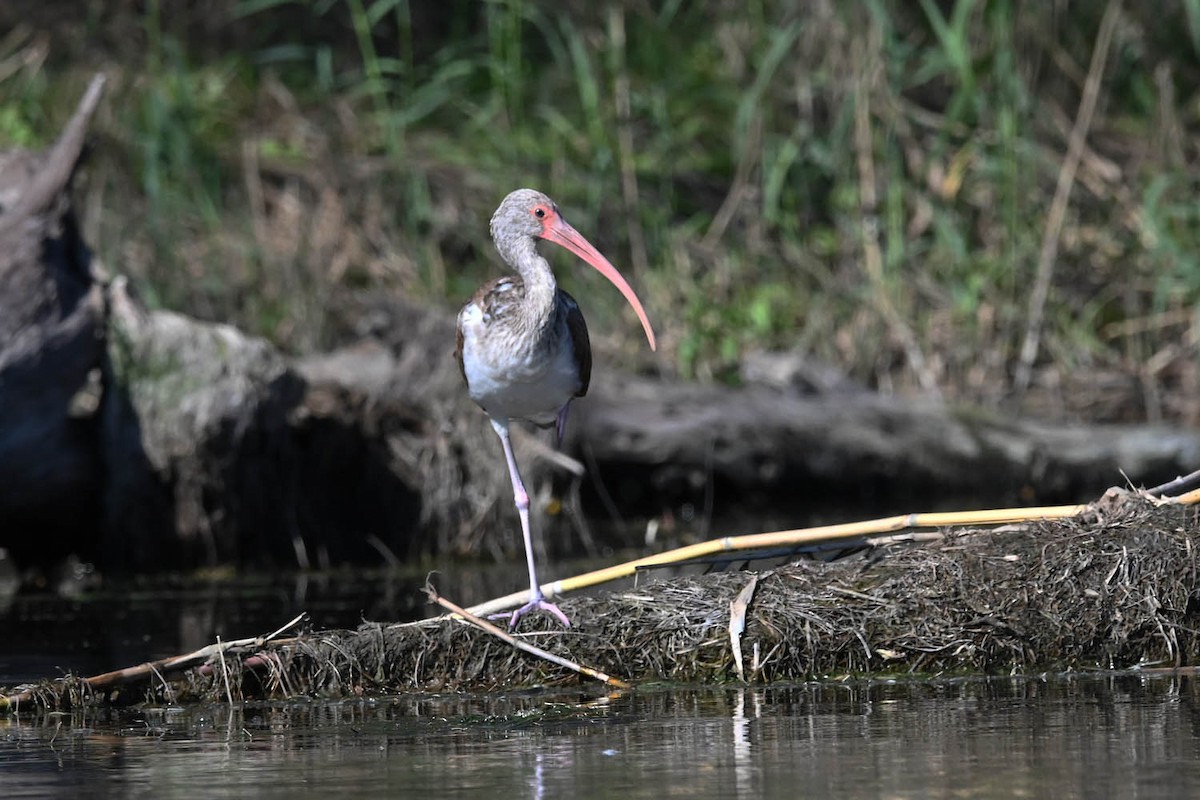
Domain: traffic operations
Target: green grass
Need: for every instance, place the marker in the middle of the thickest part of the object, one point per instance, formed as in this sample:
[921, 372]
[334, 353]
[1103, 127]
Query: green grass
[254, 164]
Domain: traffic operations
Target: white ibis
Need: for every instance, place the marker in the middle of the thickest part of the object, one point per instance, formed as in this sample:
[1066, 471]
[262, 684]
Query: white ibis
[523, 345]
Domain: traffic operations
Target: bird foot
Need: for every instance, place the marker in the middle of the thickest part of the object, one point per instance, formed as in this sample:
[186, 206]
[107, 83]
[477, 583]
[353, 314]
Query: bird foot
[533, 605]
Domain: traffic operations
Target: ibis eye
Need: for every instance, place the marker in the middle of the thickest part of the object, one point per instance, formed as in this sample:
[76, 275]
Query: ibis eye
[539, 212]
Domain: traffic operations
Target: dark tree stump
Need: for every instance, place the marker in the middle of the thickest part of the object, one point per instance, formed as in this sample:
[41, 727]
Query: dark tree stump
[51, 318]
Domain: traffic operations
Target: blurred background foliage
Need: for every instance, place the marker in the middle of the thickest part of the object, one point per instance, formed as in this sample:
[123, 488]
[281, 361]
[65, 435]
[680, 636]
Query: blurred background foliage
[869, 184]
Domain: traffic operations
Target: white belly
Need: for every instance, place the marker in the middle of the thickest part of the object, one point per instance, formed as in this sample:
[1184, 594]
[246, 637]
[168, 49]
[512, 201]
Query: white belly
[517, 380]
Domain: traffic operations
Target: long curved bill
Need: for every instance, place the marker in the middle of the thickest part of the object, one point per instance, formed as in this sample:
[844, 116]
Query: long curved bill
[559, 231]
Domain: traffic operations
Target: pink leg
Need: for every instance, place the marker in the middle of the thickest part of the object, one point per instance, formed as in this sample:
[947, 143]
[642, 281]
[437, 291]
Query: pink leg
[536, 598]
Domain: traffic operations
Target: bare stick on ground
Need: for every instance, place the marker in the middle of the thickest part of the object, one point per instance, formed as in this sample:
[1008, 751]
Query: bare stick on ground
[488, 627]
[159, 668]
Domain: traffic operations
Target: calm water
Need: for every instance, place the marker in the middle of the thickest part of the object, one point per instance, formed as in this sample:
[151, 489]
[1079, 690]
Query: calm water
[1116, 736]
[1081, 736]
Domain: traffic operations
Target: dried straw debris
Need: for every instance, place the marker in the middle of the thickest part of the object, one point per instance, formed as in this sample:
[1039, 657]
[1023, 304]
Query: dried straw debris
[1113, 588]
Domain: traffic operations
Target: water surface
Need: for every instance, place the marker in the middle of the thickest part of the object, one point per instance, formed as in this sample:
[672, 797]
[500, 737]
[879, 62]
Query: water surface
[1082, 736]
[1108, 735]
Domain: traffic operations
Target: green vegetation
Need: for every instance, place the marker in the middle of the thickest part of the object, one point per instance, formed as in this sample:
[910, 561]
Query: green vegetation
[867, 183]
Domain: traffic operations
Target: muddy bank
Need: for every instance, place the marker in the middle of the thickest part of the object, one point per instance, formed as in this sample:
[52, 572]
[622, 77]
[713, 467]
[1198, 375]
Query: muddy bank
[1115, 587]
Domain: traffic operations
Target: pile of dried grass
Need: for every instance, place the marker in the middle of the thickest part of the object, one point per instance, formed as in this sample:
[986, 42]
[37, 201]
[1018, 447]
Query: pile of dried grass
[1115, 587]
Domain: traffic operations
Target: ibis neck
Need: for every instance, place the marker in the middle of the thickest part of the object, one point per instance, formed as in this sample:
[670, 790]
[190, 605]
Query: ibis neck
[540, 286]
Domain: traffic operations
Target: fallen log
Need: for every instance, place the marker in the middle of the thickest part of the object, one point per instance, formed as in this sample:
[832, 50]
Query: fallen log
[652, 446]
[854, 450]
[1115, 587]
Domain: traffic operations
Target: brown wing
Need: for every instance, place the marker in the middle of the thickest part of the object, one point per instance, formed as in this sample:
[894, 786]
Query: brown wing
[493, 297]
[579, 341]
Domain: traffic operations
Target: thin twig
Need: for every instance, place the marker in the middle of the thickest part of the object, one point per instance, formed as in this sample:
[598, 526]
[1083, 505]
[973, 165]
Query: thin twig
[593, 471]
[1181, 485]
[1062, 194]
[390, 558]
[169, 664]
[296, 620]
[740, 189]
[539, 449]
[625, 150]
[869, 215]
[225, 672]
[168, 692]
[484, 625]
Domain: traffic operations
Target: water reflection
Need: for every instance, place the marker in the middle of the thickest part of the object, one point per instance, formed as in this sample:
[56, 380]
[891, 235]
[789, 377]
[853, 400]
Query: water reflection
[743, 766]
[115, 625]
[95, 624]
[1116, 735]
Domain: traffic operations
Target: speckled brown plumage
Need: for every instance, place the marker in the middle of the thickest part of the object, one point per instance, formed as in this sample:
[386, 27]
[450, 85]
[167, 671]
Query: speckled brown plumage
[522, 345]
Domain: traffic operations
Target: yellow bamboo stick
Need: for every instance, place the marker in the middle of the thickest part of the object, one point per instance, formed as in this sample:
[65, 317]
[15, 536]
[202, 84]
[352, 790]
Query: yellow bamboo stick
[799, 536]
[1188, 498]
